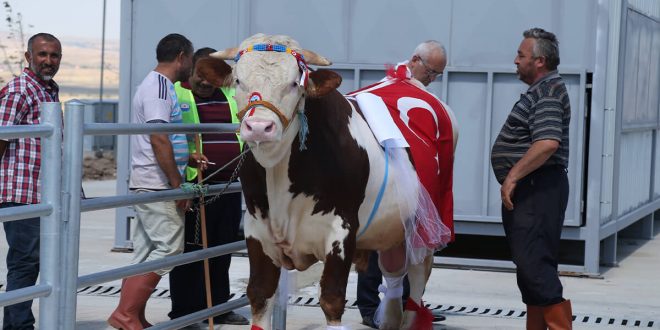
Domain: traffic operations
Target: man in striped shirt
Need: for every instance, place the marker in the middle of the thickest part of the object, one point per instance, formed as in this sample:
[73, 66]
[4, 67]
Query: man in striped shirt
[158, 162]
[20, 162]
[529, 159]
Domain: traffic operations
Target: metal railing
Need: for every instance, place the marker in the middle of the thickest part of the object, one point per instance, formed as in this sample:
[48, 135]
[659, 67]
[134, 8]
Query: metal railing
[50, 132]
[61, 207]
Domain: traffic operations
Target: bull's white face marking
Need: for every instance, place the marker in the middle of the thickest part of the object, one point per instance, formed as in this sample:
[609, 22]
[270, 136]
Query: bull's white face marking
[275, 78]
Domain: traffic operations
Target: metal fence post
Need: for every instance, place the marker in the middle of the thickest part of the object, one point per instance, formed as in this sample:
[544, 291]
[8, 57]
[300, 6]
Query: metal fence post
[281, 301]
[71, 184]
[49, 253]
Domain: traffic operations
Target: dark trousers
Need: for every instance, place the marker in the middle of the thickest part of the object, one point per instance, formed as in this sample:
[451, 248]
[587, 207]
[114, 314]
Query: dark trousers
[367, 287]
[187, 290]
[22, 267]
[533, 231]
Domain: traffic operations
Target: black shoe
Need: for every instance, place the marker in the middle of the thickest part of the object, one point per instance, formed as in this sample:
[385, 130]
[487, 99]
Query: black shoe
[230, 318]
[437, 317]
[369, 321]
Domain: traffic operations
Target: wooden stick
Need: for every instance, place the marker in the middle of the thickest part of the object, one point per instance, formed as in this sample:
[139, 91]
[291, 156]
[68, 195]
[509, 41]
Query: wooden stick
[205, 245]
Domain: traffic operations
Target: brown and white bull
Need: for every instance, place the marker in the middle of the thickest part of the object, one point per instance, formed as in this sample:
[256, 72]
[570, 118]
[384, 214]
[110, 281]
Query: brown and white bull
[307, 205]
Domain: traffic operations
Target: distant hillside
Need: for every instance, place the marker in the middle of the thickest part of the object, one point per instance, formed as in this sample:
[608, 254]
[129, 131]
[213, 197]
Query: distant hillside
[79, 75]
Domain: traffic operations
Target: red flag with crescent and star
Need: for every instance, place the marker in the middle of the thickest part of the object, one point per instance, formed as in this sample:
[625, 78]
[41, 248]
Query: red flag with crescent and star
[427, 127]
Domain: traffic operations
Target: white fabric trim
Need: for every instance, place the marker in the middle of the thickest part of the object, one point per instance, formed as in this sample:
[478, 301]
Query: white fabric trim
[379, 119]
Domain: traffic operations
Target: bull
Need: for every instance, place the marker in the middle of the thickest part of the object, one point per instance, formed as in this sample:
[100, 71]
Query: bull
[311, 181]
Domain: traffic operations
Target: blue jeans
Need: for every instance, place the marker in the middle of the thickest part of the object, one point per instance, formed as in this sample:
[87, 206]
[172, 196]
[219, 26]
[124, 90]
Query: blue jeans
[22, 267]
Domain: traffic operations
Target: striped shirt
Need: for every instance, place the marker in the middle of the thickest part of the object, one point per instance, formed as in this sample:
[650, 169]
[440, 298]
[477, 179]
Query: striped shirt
[542, 113]
[20, 165]
[155, 101]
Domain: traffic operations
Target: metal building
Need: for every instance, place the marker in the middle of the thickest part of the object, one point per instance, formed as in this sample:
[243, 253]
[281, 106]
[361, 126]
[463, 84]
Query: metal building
[610, 59]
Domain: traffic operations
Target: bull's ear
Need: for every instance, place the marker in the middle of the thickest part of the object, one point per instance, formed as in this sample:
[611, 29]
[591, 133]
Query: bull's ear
[227, 54]
[215, 71]
[322, 82]
[314, 58]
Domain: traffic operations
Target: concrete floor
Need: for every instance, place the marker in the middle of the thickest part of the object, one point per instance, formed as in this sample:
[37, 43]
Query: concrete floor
[626, 296]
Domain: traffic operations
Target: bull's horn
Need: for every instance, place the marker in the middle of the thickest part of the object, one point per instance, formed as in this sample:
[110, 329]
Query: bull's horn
[314, 58]
[227, 54]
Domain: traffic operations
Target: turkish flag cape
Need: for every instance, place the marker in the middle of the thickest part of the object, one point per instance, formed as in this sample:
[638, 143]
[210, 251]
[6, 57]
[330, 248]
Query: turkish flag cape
[427, 127]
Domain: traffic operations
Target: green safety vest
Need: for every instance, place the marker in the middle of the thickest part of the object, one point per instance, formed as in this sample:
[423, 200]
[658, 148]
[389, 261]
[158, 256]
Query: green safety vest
[190, 116]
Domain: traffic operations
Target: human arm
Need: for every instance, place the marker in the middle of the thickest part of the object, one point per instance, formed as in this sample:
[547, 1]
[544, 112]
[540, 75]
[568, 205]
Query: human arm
[536, 155]
[162, 147]
[12, 109]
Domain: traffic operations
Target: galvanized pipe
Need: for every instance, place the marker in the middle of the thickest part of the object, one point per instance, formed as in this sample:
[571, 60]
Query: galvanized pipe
[281, 301]
[24, 294]
[149, 266]
[24, 212]
[117, 129]
[24, 131]
[183, 321]
[100, 203]
[72, 183]
[51, 184]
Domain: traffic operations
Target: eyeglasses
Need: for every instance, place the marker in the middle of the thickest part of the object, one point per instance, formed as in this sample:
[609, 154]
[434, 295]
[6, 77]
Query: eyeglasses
[430, 72]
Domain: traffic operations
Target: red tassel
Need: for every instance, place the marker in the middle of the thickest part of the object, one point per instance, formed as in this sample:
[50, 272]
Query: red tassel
[423, 317]
[254, 327]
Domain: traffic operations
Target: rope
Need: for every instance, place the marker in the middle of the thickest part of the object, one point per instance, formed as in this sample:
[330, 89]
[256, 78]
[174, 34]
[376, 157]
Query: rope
[304, 129]
[381, 192]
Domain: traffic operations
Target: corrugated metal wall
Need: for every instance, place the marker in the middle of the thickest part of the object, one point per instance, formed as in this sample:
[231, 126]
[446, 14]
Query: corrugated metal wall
[361, 37]
[640, 108]
[648, 7]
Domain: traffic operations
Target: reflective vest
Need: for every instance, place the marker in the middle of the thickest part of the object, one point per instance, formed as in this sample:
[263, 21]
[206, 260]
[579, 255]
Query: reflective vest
[190, 116]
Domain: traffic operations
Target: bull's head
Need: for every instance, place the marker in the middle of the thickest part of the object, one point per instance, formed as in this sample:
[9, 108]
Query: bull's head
[272, 79]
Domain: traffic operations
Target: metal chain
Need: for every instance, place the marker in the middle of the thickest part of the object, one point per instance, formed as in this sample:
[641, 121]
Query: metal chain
[196, 209]
[198, 223]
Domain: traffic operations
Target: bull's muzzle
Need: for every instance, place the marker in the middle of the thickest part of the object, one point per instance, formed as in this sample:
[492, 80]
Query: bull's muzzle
[258, 130]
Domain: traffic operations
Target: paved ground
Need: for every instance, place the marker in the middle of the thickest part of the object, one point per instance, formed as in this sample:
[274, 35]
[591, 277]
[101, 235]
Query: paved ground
[626, 296]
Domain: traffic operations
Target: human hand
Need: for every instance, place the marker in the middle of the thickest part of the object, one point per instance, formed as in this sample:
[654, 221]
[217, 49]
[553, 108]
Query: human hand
[198, 161]
[506, 192]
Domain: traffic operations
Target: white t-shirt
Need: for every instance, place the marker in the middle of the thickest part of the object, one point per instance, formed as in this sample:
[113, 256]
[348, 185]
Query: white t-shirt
[155, 99]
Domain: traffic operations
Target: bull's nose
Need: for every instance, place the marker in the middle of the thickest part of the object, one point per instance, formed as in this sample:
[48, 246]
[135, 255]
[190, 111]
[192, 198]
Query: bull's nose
[260, 130]
[268, 127]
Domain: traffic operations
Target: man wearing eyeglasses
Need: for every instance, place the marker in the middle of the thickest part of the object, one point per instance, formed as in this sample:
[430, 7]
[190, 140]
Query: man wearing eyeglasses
[426, 64]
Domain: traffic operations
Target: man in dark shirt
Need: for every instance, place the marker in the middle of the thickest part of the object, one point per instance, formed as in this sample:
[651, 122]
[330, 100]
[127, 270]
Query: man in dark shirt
[529, 159]
[202, 100]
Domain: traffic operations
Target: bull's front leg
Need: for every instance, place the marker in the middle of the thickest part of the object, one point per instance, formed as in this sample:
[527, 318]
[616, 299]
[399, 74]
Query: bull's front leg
[334, 280]
[264, 277]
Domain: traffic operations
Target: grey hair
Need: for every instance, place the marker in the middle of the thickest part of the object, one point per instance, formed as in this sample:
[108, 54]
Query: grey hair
[546, 45]
[425, 49]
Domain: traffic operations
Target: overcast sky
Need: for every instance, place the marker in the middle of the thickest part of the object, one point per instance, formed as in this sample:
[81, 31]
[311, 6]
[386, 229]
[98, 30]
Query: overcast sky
[66, 18]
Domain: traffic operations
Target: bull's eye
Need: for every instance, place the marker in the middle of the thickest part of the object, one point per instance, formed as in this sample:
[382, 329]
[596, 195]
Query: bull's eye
[294, 84]
[238, 82]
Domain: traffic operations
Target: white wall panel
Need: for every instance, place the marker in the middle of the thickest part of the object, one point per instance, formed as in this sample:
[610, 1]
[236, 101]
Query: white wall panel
[467, 96]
